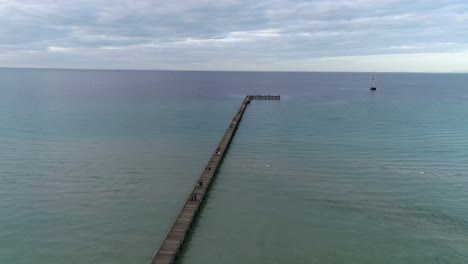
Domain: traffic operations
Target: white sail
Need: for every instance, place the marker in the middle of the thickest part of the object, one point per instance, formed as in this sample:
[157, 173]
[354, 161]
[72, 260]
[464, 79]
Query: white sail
[373, 87]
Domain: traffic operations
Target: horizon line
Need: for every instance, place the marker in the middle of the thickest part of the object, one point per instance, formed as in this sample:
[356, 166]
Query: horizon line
[185, 70]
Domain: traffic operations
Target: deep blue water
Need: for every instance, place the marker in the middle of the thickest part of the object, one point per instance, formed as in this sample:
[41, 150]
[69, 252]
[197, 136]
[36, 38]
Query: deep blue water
[94, 166]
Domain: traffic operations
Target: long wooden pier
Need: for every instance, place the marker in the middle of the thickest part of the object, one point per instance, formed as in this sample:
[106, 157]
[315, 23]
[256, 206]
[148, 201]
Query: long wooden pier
[172, 244]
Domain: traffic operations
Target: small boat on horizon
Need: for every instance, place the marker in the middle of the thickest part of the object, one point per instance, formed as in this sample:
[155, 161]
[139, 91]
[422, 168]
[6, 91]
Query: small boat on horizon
[373, 87]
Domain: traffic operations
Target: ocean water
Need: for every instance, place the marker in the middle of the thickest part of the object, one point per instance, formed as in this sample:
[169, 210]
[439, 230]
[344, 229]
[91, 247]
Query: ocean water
[95, 165]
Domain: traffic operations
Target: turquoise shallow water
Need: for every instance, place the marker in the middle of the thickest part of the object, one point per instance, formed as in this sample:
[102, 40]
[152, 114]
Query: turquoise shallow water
[96, 164]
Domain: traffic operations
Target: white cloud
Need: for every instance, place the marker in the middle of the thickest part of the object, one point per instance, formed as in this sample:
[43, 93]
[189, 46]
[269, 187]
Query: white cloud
[230, 38]
[60, 49]
[410, 62]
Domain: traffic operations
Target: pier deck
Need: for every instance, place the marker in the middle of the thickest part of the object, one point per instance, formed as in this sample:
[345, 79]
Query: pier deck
[169, 249]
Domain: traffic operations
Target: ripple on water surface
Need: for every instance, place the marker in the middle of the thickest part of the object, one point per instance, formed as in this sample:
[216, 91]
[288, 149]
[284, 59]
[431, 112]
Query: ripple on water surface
[96, 164]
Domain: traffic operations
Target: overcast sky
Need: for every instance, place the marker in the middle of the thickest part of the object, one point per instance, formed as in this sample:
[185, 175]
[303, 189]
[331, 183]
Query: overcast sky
[359, 35]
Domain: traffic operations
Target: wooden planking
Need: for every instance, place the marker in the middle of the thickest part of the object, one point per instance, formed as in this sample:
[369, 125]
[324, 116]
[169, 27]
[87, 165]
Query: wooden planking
[171, 245]
[264, 97]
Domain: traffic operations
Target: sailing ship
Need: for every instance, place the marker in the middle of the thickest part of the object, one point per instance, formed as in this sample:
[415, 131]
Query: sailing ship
[373, 87]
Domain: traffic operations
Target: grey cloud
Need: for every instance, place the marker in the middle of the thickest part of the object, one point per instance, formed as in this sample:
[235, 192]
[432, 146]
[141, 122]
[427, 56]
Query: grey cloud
[174, 34]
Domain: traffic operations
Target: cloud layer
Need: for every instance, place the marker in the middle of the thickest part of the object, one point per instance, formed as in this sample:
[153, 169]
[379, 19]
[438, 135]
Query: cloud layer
[336, 35]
